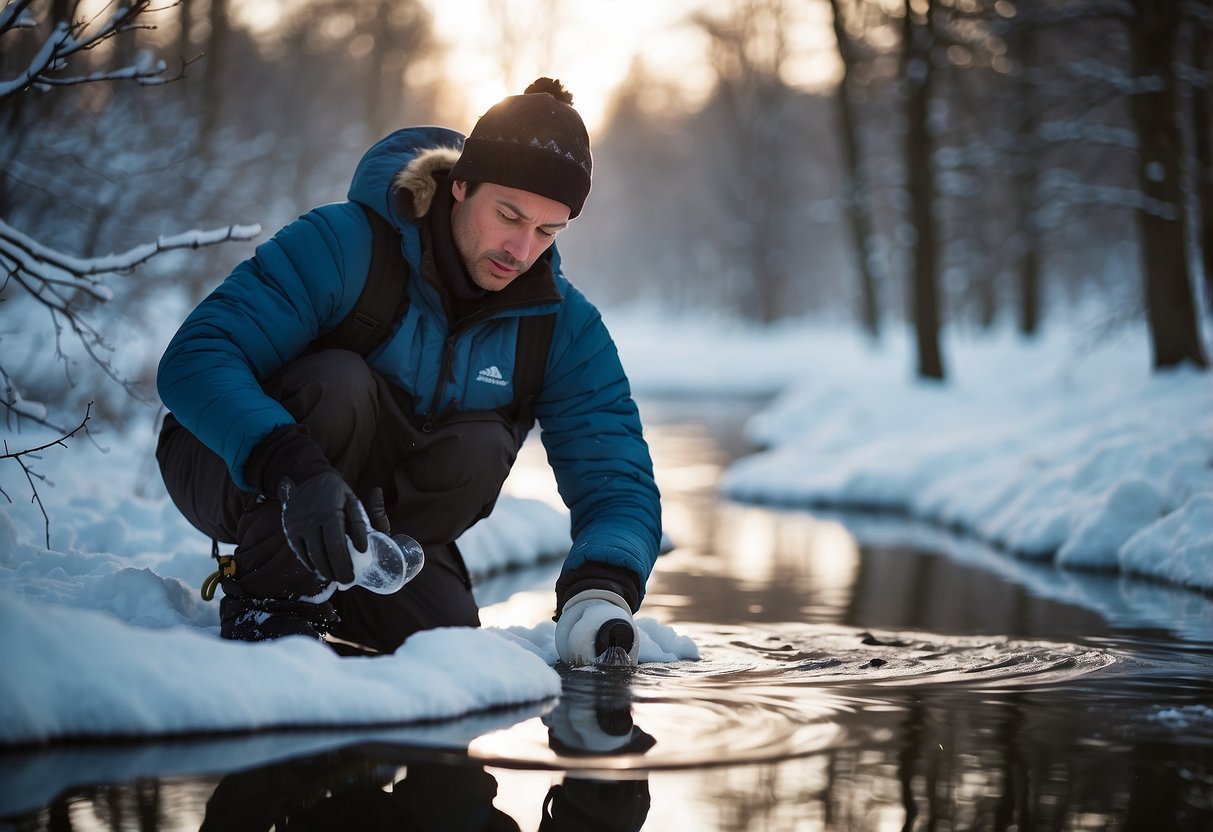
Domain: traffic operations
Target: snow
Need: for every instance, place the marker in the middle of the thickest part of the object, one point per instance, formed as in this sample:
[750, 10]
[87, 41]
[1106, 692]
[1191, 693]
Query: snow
[1177, 547]
[132, 680]
[1063, 449]
[658, 643]
[1079, 456]
[108, 636]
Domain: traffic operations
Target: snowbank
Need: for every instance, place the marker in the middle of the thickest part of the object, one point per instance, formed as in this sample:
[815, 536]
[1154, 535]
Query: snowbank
[1054, 453]
[77, 673]
[107, 635]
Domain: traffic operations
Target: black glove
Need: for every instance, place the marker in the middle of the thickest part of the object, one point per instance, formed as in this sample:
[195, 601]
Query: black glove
[375, 510]
[317, 515]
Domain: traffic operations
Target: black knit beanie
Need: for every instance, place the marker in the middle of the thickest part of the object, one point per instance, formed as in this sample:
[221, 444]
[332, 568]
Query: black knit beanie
[534, 142]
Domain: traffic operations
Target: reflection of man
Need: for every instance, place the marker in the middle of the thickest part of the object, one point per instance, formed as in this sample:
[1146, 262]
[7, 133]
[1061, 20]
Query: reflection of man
[374, 788]
[347, 791]
[592, 718]
[586, 723]
[290, 412]
[344, 791]
[588, 805]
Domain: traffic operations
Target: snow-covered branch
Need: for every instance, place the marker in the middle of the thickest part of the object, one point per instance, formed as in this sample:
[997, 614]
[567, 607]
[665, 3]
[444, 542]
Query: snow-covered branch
[15, 16]
[86, 271]
[68, 39]
[21, 408]
[66, 286]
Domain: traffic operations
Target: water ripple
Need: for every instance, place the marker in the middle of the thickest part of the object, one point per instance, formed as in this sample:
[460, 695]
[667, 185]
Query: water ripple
[762, 695]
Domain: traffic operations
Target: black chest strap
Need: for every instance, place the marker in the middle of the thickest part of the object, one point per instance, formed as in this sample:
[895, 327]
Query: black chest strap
[530, 361]
[383, 299]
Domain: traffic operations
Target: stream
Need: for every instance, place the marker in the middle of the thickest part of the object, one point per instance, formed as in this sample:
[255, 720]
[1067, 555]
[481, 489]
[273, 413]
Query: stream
[857, 672]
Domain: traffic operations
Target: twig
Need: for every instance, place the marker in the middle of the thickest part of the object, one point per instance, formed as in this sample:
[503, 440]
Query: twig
[68, 39]
[57, 281]
[30, 474]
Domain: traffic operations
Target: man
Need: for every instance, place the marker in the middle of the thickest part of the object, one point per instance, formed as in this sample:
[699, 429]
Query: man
[286, 448]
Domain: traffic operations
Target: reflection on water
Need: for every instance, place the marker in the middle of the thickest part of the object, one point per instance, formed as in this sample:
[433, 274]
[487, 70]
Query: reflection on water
[857, 673]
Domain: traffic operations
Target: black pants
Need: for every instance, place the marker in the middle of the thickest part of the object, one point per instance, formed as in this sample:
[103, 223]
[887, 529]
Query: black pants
[436, 484]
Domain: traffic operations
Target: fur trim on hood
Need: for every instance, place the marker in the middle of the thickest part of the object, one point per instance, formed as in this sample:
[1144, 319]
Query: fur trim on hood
[417, 178]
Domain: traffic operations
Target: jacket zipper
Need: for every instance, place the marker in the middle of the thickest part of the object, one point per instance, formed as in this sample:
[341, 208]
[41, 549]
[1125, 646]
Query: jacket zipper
[448, 355]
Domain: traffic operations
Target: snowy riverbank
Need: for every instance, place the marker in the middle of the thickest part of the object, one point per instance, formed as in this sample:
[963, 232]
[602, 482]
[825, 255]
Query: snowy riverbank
[107, 635]
[1050, 449]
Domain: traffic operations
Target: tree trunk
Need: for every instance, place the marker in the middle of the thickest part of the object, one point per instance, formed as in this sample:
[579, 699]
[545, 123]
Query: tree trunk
[211, 108]
[1027, 165]
[1202, 134]
[917, 40]
[1170, 309]
[1029, 285]
[377, 60]
[185, 29]
[858, 201]
[62, 11]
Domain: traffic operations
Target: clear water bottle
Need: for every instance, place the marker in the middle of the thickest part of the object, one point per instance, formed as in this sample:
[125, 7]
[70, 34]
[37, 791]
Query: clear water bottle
[387, 564]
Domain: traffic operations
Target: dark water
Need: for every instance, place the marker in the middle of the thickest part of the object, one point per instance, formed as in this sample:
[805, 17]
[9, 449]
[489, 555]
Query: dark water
[858, 672]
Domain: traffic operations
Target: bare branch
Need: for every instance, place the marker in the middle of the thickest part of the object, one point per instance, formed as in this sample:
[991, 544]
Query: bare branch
[67, 287]
[146, 71]
[59, 281]
[68, 39]
[83, 426]
[30, 254]
[31, 475]
[19, 408]
[12, 16]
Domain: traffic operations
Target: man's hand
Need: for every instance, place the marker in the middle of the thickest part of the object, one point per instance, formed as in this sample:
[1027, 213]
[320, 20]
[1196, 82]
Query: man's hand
[372, 501]
[317, 515]
[591, 623]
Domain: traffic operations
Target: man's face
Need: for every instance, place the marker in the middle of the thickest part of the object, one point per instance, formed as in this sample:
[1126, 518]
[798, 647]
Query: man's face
[500, 232]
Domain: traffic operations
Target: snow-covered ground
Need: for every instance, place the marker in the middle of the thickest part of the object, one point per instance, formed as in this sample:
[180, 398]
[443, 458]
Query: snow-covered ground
[107, 634]
[1054, 449]
[1064, 448]
[1088, 459]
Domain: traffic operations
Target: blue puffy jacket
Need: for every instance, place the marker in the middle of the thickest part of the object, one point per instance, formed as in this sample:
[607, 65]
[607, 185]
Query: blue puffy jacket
[301, 283]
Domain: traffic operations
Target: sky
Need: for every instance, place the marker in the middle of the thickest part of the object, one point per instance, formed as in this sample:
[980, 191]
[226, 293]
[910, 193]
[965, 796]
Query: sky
[596, 43]
[494, 48]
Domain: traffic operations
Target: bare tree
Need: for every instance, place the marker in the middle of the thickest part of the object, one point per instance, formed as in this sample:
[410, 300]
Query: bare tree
[1200, 43]
[1026, 175]
[1170, 309]
[858, 194]
[918, 40]
[213, 90]
[68, 288]
[31, 475]
[523, 31]
[749, 49]
[69, 39]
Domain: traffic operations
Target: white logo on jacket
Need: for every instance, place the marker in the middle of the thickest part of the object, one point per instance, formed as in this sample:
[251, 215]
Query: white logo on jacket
[491, 375]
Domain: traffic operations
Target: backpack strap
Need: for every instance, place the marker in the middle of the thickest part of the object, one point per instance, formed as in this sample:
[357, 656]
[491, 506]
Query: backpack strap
[530, 363]
[383, 298]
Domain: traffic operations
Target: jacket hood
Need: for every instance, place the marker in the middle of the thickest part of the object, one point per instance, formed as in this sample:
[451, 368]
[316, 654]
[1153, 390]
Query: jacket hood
[418, 179]
[407, 161]
[406, 158]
